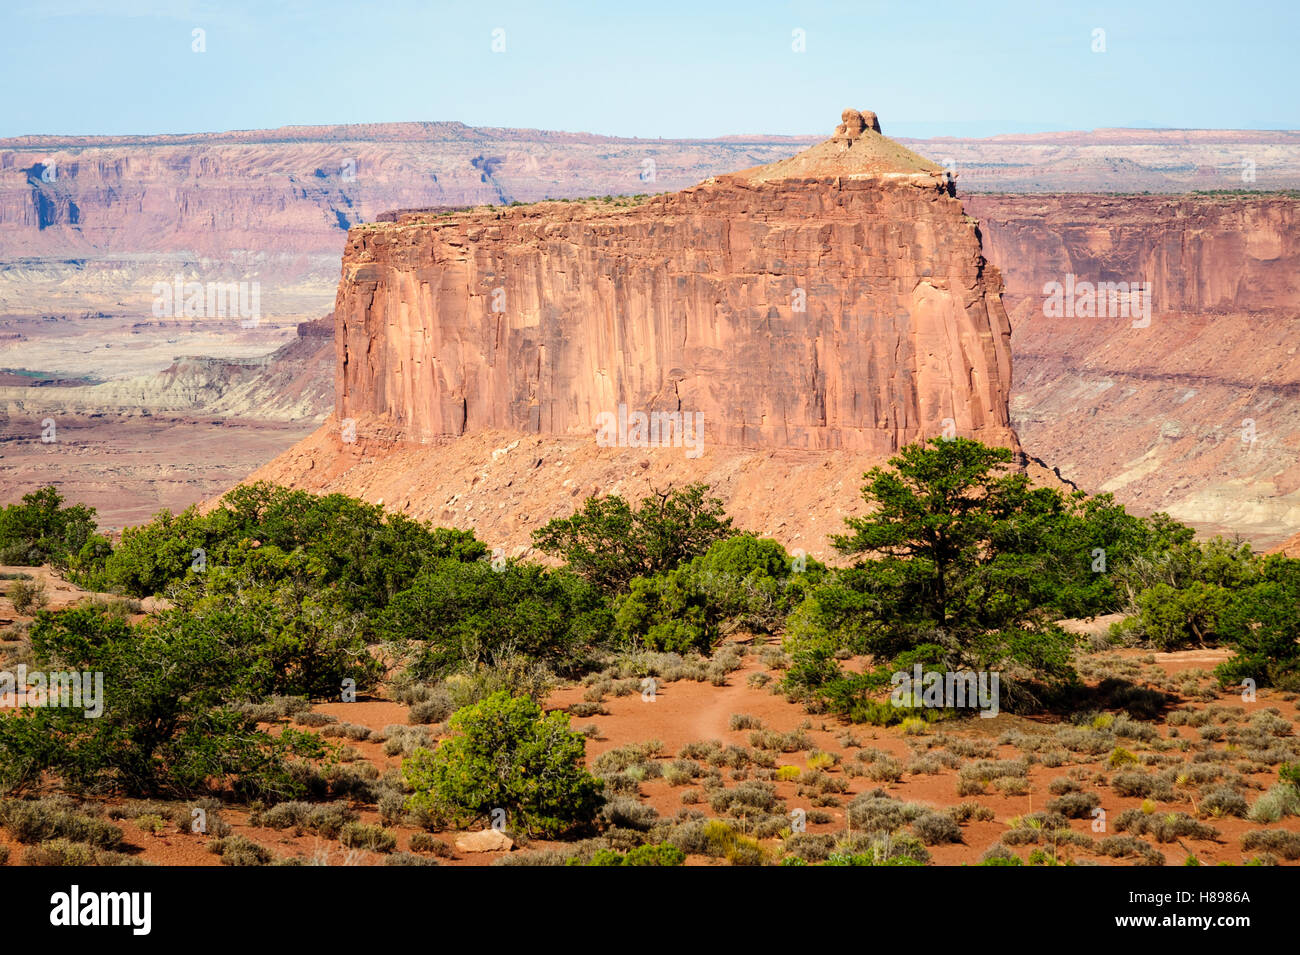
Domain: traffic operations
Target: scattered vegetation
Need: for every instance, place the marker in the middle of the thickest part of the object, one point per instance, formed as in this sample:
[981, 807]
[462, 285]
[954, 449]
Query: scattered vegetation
[278, 598]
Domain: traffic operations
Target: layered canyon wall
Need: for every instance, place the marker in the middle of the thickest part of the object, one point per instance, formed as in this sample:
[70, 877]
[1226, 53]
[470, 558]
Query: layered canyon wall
[90, 223]
[1196, 413]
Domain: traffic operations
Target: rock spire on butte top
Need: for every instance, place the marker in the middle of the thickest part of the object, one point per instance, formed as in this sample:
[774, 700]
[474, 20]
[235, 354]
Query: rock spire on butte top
[854, 123]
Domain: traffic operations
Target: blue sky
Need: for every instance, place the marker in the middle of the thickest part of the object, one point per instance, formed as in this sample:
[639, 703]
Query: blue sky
[664, 68]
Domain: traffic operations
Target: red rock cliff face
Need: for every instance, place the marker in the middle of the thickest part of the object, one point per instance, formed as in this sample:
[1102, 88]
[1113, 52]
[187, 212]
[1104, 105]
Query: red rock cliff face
[1202, 254]
[837, 300]
[1194, 414]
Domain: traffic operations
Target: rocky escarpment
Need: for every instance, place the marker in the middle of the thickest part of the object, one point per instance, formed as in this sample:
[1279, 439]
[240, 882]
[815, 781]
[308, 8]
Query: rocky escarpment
[92, 222]
[834, 300]
[1194, 413]
[816, 314]
[293, 383]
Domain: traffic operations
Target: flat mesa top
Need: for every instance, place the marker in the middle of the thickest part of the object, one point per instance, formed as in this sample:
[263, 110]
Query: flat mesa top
[856, 148]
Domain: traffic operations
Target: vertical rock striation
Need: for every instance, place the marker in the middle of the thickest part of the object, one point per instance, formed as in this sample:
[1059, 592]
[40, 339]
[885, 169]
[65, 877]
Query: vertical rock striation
[834, 300]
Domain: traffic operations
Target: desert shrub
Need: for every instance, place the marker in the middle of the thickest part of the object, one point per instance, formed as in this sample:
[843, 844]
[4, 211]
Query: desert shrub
[925, 766]
[506, 754]
[1062, 785]
[936, 828]
[999, 854]
[1278, 841]
[1074, 805]
[427, 842]
[1270, 723]
[1133, 783]
[276, 709]
[994, 770]
[432, 709]
[746, 851]
[1165, 827]
[539, 857]
[746, 799]
[1120, 757]
[65, 852]
[664, 854]
[811, 847]
[885, 770]
[358, 835]
[633, 755]
[345, 730]
[1119, 847]
[817, 760]
[582, 851]
[153, 823]
[880, 848]
[32, 821]
[711, 837]
[1281, 800]
[1040, 821]
[876, 810]
[240, 851]
[1012, 786]
[28, 596]
[1087, 741]
[514, 675]
[972, 811]
[404, 740]
[314, 719]
[327, 820]
[1022, 837]
[776, 741]
[680, 772]
[408, 858]
[1223, 801]
[627, 813]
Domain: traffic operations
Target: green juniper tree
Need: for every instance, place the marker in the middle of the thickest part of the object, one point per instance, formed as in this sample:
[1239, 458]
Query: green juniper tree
[960, 563]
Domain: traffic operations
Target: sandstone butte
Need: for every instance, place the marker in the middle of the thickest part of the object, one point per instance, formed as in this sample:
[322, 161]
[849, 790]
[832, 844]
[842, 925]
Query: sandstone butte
[820, 312]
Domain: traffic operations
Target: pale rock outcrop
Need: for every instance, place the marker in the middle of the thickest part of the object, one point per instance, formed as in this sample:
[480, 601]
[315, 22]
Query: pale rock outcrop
[485, 840]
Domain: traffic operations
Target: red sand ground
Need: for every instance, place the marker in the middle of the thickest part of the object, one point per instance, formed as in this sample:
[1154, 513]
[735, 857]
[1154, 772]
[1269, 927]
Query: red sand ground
[687, 711]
